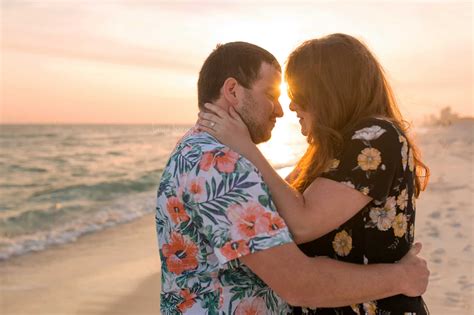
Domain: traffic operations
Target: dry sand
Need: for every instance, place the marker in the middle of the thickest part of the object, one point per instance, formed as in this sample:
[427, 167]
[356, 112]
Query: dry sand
[445, 217]
[116, 271]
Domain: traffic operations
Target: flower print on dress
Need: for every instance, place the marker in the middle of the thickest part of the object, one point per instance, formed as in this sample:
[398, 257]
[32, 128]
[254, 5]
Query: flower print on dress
[404, 151]
[355, 309]
[366, 260]
[365, 190]
[412, 231]
[348, 184]
[333, 165]
[370, 308]
[402, 199]
[411, 161]
[369, 159]
[399, 225]
[251, 306]
[342, 243]
[369, 133]
[224, 160]
[176, 210]
[383, 217]
[180, 253]
[413, 201]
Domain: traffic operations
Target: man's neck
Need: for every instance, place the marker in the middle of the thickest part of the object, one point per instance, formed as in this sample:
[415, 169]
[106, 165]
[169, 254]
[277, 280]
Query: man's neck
[222, 104]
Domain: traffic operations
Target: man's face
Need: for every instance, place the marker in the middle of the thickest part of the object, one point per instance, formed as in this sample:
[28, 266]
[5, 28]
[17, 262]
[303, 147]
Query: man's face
[259, 106]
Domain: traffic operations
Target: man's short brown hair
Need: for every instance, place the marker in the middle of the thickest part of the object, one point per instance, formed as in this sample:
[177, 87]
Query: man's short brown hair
[239, 60]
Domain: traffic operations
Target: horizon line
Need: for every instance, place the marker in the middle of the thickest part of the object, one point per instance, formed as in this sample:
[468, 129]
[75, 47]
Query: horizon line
[92, 123]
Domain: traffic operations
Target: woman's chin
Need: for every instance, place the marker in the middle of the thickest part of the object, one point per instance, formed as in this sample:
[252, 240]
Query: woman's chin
[304, 132]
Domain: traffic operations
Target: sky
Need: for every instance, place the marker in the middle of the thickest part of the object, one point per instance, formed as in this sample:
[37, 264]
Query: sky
[89, 61]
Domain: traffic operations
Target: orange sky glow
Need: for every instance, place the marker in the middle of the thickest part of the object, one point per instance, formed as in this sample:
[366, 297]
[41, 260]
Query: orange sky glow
[84, 61]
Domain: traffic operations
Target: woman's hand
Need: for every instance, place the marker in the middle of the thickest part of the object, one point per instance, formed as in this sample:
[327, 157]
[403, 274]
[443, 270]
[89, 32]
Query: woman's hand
[228, 128]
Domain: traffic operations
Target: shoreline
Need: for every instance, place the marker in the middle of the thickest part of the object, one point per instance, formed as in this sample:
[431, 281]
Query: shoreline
[114, 271]
[62, 238]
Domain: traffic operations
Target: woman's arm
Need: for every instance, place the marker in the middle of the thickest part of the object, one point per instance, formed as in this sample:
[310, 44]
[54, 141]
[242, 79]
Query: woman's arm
[325, 204]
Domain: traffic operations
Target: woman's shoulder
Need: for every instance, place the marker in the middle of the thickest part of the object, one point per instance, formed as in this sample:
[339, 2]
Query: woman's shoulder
[374, 128]
[378, 121]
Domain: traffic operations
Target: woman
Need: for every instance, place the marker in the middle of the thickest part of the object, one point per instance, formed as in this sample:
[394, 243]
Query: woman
[352, 194]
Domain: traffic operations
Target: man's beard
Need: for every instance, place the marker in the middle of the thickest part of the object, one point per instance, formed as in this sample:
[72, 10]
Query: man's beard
[258, 130]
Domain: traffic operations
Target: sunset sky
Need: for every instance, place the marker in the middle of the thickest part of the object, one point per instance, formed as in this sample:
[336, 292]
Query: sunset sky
[91, 61]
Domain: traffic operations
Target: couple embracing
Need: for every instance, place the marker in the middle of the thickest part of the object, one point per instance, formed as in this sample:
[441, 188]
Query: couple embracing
[337, 235]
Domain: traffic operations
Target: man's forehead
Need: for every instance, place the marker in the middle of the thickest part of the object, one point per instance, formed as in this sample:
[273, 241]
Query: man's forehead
[269, 74]
[266, 67]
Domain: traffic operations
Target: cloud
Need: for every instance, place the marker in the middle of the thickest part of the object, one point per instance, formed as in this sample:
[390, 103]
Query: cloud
[103, 32]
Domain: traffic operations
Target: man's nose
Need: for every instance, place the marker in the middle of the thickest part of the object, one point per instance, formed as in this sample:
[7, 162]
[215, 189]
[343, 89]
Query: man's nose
[278, 110]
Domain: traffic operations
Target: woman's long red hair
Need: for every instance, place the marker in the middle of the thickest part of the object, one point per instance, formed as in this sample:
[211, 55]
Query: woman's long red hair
[340, 82]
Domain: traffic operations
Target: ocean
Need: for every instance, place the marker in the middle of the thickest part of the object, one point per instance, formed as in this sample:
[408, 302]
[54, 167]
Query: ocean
[59, 182]
[62, 181]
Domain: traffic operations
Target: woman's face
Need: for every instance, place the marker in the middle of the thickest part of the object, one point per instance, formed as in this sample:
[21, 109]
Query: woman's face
[304, 117]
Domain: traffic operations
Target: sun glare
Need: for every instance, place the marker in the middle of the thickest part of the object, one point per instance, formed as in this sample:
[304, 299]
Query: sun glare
[281, 149]
[284, 98]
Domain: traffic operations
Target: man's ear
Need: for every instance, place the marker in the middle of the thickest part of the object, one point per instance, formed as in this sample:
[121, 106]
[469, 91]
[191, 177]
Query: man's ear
[229, 91]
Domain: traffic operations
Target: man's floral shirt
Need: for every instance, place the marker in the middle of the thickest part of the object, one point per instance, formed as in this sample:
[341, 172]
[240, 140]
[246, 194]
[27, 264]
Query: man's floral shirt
[212, 208]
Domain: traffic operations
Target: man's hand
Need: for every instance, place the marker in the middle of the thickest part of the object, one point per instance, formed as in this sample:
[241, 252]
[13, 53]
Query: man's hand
[415, 272]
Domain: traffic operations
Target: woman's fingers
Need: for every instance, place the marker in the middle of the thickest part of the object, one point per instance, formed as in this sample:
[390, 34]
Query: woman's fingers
[209, 116]
[207, 129]
[416, 248]
[234, 114]
[219, 120]
[218, 114]
[207, 123]
[216, 109]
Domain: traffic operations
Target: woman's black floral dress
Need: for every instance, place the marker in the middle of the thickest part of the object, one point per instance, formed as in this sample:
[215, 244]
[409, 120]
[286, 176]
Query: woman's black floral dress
[377, 161]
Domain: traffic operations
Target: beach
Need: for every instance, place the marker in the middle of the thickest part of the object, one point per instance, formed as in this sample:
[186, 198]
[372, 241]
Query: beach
[445, 217]
[117, 270]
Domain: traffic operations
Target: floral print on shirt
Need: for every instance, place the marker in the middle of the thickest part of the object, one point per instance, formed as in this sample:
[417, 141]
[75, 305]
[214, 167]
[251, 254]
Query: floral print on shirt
[377, 161]
[213, 208]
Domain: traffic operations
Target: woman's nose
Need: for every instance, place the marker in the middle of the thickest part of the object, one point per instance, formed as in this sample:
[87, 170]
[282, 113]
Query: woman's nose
[292, 107]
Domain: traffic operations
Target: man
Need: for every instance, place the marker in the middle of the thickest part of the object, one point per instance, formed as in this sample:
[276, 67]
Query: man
[224, 249]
